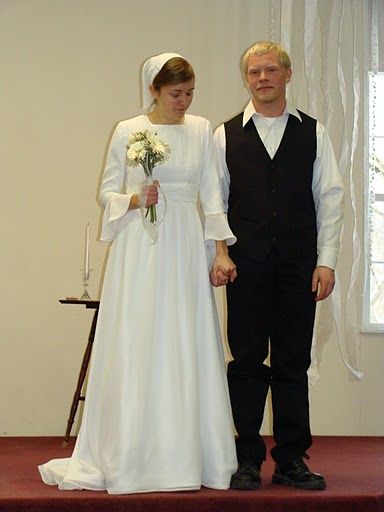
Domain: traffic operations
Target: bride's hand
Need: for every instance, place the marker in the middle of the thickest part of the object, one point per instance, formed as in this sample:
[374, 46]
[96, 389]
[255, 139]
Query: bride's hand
[149, 195]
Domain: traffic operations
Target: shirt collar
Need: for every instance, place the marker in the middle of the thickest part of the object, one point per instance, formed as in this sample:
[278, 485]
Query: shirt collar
[250, 111]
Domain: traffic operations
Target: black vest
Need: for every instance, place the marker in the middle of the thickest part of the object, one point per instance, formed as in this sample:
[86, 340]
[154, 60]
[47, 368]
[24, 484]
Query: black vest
[270, 201]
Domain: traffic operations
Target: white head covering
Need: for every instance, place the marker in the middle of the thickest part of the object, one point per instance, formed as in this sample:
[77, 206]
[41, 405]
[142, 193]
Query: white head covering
[151, 68]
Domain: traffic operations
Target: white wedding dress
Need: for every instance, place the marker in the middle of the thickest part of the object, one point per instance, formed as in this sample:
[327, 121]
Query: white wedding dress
[157, 414]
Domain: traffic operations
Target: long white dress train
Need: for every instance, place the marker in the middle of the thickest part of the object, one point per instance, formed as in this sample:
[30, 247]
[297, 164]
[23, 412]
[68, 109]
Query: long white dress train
[157, 414]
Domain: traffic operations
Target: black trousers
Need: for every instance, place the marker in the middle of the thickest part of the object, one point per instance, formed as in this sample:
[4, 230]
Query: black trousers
[271, 311]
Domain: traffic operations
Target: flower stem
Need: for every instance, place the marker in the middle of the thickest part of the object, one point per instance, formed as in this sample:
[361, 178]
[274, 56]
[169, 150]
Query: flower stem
[151, 210]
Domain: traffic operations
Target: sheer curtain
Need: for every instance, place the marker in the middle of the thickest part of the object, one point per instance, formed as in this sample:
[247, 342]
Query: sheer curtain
[327, 41]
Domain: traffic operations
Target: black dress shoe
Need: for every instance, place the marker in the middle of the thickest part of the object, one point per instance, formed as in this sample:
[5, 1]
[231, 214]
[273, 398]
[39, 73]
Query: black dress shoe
[247, 477]
[297, 474]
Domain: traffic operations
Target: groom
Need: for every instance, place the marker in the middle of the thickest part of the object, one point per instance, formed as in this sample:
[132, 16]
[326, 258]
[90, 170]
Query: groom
[284, 196]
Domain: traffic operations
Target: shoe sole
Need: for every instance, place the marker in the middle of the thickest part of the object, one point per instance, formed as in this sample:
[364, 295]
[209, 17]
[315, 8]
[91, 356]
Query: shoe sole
[245, 487]
[308, 486]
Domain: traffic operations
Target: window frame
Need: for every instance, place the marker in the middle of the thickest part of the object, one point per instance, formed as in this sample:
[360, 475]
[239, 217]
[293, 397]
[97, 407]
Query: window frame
[367, 325]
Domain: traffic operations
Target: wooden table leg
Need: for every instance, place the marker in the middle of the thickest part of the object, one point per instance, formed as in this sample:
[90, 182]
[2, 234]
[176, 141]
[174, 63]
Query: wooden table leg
[83, 372]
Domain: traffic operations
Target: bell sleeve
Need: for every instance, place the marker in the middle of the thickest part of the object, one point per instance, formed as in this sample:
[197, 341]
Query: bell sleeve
[216, 225]
[111, 196]
[215, 220]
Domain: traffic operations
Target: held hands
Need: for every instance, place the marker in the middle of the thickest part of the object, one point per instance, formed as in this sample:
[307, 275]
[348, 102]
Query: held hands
[323, 282]
[223, 270]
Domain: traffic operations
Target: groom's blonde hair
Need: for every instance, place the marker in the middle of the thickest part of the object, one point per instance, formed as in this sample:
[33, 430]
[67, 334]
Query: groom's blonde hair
[261, 48]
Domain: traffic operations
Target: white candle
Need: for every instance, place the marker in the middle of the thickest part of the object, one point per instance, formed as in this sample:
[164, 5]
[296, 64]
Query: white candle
[86, 252]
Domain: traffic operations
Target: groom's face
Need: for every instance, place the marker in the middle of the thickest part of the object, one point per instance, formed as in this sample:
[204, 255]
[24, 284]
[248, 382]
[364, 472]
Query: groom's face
[266, 78]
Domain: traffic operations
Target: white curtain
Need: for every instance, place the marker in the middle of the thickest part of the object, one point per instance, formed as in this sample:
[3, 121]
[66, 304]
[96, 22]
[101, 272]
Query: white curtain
[327, 41]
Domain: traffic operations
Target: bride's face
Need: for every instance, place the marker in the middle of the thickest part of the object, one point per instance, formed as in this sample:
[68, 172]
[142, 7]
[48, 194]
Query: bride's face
[172, 101]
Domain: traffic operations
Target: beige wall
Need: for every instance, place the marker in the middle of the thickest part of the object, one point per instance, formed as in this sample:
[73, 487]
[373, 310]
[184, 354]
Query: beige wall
[69, 71]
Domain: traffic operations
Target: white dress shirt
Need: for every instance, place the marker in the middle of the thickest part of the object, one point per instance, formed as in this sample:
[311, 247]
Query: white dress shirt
[327, 183]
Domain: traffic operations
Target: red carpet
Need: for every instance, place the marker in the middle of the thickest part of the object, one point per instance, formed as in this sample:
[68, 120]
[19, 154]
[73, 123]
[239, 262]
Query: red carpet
[353, 467]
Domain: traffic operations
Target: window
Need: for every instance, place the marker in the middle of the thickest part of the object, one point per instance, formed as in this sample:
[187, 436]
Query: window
[373, 307]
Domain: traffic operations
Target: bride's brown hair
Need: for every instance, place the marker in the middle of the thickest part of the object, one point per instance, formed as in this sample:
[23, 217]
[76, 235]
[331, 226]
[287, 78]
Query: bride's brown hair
[174, 71]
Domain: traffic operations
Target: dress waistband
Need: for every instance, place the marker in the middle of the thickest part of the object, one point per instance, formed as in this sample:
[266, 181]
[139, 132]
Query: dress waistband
[179, 192]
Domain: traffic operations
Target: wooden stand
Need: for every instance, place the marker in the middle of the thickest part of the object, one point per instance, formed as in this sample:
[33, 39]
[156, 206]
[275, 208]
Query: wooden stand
[89, 304]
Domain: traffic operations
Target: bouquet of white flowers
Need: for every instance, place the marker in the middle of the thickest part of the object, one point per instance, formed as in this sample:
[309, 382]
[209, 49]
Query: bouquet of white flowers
[146, 149]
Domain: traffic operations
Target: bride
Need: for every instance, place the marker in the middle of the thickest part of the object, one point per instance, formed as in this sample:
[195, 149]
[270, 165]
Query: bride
[157, 414]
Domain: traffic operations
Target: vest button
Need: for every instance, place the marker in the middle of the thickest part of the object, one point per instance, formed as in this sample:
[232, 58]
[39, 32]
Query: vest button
[273, 190]
[274, 214]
